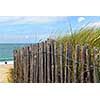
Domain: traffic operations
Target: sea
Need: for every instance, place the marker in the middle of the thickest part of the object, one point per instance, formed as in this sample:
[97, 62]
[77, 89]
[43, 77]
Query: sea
[6, 52]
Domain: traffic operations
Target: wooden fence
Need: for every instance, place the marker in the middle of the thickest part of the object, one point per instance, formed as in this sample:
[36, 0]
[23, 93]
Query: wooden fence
[48, 62]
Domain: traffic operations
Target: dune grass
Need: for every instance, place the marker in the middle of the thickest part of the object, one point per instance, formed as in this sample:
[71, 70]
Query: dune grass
[86, 36]
[90, 37]
[10, 76]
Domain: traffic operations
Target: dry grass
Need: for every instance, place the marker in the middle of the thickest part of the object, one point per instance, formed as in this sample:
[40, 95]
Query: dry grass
[90, 37]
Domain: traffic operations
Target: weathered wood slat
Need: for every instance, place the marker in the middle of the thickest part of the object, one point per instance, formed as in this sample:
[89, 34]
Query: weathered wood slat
[56, 62]
[21, 68]
[76, 66]
[18, 67]
[24, 65]
[52, 62]
[65, 71]
[41, 63]
[62, 65]
[84, 65]
[23, 74]
[20, 73]
[69, 62]
[96, 65]
[15, 65]
[89, 66]
[29, 57]
[31, 63]
[35, 65]
[48, 62]
[28, 64]
[45, 63]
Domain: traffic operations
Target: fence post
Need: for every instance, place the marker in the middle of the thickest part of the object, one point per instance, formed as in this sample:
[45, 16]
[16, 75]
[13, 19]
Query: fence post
[45, 62]
[26, 64]
[41, 59]
[18, 67]
[48, 61]
[62, 64]
[89, 66]
[77, 61]
[84, 65]
[56, 61]
[31, 63]
[15, 65]
[52, 62]
[96, 65]
[21, 64]
[36, 63]
[66, 67]
[69, 62]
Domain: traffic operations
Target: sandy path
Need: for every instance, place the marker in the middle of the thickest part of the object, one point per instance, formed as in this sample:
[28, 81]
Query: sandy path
[5, 72]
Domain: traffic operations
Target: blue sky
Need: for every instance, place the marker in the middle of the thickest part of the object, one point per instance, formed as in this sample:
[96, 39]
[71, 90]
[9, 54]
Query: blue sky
[31, 29]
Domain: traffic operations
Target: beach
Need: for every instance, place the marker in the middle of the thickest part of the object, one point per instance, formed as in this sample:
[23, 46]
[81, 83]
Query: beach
[5, 73]
[6, 60]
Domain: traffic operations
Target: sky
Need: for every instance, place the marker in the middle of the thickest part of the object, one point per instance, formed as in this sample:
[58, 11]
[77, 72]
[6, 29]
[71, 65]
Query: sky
[32, 29]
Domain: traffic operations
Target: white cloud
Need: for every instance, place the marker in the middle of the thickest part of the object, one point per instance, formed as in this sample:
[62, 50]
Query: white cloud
[80, 19]
[94, 25]
[27, 37]
[29, 19]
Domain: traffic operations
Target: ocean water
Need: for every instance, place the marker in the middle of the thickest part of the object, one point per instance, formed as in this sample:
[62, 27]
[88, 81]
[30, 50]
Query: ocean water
[6, 51]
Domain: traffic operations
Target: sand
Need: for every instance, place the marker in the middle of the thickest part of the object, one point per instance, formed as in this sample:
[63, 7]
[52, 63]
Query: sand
[5, 70]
